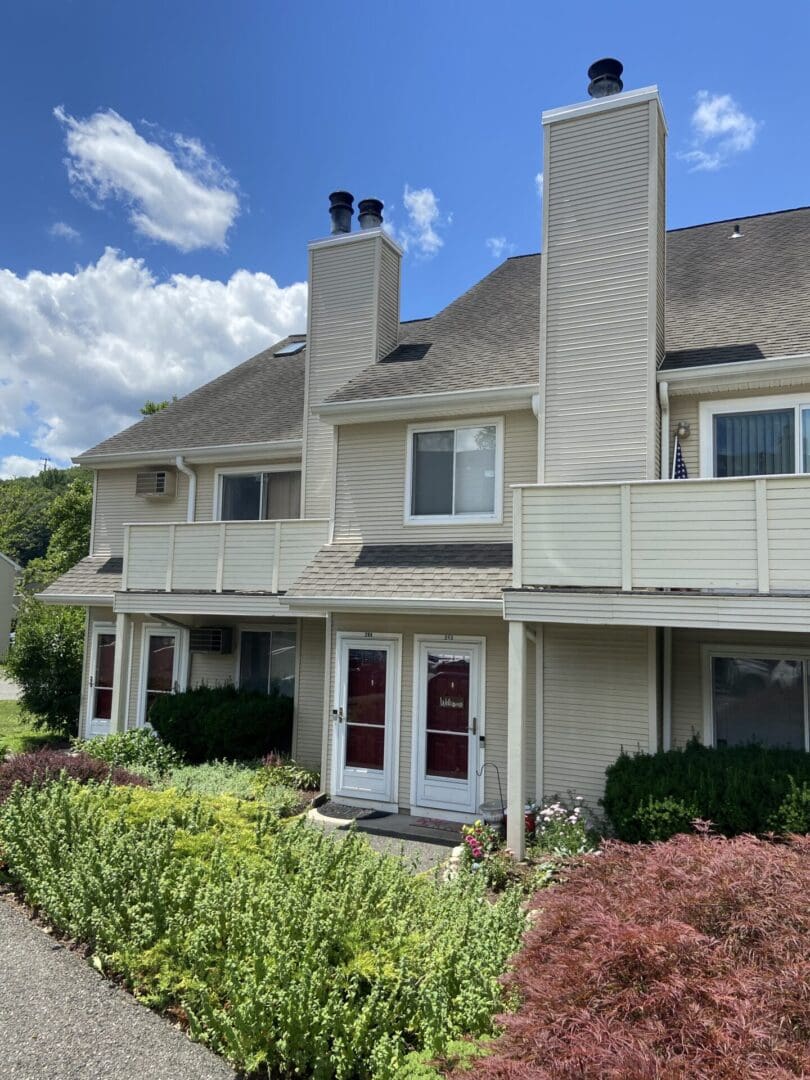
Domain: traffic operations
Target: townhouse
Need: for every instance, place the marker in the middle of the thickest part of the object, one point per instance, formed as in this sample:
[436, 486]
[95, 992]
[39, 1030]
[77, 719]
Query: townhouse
[456, 542]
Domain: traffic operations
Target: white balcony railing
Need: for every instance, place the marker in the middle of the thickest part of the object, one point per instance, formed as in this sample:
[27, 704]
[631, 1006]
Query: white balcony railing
[219, 556]
[747, 534]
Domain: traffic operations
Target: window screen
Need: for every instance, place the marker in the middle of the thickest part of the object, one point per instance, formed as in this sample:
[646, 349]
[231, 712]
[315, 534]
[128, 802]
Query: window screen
[754, 444]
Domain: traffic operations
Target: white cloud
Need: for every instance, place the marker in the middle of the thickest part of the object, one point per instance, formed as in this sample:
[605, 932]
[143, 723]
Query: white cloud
[14, 465]
[499, 246]
[422, 232]
[721, 130]
[538, 183]
[62, 231]
[80, 352]
[176, 193]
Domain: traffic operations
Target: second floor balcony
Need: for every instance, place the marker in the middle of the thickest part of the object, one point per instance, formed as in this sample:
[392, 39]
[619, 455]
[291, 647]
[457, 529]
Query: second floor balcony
[219, 556]
[742, 535]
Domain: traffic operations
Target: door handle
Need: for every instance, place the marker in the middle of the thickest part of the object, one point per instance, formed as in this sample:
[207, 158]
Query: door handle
[92, 684]
[474, 729]
[338, 715]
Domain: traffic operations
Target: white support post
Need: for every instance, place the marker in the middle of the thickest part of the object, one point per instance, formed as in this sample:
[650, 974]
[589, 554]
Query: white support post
[223, 532]
[170, 560]
[276, 558]
[120, 692]
[666, 689]
[516, 732]
[763, 556]
[627, 537]
[517, 539]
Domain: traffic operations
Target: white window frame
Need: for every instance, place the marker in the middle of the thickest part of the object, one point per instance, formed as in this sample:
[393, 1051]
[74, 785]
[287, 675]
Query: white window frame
[265, 628]
[493, 518]
[248, 470]
[760, 403]
[734, 652]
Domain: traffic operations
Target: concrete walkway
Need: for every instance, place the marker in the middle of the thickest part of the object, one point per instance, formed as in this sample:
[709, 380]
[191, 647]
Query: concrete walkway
[420, 844]
[9, 690]
[61, 1020]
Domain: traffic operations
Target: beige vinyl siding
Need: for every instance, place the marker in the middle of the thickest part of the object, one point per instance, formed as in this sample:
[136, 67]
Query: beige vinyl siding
[8, 581]
[372, 463]
[596, 702]
[116, 503]
[687, 671]
[601, 293]
[309, 717]
[495, 632]
[353, 320]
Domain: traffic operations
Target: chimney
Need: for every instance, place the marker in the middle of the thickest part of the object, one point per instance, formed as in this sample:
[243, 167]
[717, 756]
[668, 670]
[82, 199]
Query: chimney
[352, 322]
[370, 213]
[341, 208]
[602, 286]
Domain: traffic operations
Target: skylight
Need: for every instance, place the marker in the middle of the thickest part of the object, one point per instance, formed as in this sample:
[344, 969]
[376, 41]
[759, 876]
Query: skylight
[291, 349]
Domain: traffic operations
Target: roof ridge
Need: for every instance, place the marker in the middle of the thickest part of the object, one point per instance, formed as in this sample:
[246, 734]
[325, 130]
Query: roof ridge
[740, 217]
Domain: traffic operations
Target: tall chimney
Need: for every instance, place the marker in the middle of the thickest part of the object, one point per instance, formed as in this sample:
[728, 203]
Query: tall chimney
[352, 322]
[602, 284]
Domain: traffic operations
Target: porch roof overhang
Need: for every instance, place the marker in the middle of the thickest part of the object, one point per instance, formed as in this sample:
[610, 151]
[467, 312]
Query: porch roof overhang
[205, 603]
[767, 373]
[770, 612]
[398, 604]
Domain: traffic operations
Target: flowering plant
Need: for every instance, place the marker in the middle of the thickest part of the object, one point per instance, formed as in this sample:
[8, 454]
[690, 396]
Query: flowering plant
[482, 850]
[563, 828]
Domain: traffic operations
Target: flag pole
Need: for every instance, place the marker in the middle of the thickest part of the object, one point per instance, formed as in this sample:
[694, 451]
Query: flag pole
[674, 458]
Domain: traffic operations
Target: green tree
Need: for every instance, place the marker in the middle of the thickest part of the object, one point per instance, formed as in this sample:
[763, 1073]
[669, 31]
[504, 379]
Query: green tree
[25, 511]
[149, 407]
[46, 660]
[68, 520]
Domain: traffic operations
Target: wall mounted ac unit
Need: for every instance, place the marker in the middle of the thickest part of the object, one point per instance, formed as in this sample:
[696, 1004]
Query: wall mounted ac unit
[211, 639]
[156, 484]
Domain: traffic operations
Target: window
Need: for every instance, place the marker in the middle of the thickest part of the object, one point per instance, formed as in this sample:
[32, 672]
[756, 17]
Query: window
[267, 661]
[259, 496]
[758, 698]
[755, 437]
[455, 472]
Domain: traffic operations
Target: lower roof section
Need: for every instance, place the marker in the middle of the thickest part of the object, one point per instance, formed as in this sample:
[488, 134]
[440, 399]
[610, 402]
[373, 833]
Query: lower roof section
[466, 577]
[699, 610]
[215, 605]
[93, 580]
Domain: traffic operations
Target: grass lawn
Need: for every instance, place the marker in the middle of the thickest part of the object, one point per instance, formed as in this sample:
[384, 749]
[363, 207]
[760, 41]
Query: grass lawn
[17, 734]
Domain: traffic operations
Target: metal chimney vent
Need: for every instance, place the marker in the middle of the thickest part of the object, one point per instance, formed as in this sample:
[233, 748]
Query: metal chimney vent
[605, 76]
[341, 208]
[369, 213]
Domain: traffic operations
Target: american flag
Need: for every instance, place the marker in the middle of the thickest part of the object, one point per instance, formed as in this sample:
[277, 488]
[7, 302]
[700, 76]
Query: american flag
[678, 464]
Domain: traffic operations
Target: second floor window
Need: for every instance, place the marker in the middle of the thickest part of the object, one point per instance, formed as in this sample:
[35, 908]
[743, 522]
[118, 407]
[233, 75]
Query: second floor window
[762, 441]
[455, 473]
[259, 496]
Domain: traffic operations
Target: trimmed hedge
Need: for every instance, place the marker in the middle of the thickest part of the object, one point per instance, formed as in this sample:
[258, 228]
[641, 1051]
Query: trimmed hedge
[211, 723]
[739, 789]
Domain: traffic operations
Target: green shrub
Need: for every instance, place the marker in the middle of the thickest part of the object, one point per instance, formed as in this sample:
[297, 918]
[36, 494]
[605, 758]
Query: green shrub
[46, 660]
[139, 749]
[212, 723]
[738, 788]
[793, 816]
[286, 771]
[296, 953]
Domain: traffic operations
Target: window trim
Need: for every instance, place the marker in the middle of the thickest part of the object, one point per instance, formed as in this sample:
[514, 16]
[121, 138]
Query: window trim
[248, 470]
[760, 403]
[733, 652]
[493, 518]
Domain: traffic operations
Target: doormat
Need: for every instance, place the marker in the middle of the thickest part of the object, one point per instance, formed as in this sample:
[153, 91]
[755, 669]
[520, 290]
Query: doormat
[438, 824]
[350, 813]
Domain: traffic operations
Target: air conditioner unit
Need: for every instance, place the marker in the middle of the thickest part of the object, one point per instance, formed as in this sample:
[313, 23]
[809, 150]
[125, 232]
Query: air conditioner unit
[211, 639]
[156, 484]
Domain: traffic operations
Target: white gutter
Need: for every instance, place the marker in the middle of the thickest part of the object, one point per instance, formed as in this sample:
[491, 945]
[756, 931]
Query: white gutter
[663, 398]
[196, 455]
[766, 369]
[191, 511]
[76, 599]
[410, 405]
[394, 603]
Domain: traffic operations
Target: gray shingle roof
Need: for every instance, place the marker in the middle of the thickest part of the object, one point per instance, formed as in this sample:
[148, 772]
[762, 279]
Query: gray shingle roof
[97, 575]
[258, 401]
[726, 300]
[426, 571]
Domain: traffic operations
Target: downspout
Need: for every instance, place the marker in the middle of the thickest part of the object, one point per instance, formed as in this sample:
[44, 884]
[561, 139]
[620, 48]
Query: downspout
[663, 398]
[180, 462]
[536, 404]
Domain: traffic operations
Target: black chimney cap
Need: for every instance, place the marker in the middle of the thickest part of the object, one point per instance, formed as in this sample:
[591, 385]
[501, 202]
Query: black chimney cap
[605, 76]
[369, 213]
[341, 209]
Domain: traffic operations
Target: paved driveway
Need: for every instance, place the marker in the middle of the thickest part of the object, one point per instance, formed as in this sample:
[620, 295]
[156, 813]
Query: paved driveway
[61, 1020]
[9, 691]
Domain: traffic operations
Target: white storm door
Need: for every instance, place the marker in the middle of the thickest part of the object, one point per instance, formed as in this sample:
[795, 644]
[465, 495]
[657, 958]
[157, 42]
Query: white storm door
[365, 718]
[100, 688]
[448, 724]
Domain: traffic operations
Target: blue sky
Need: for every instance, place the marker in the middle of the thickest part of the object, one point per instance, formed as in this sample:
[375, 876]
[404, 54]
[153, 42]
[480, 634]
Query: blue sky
[195, 144]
